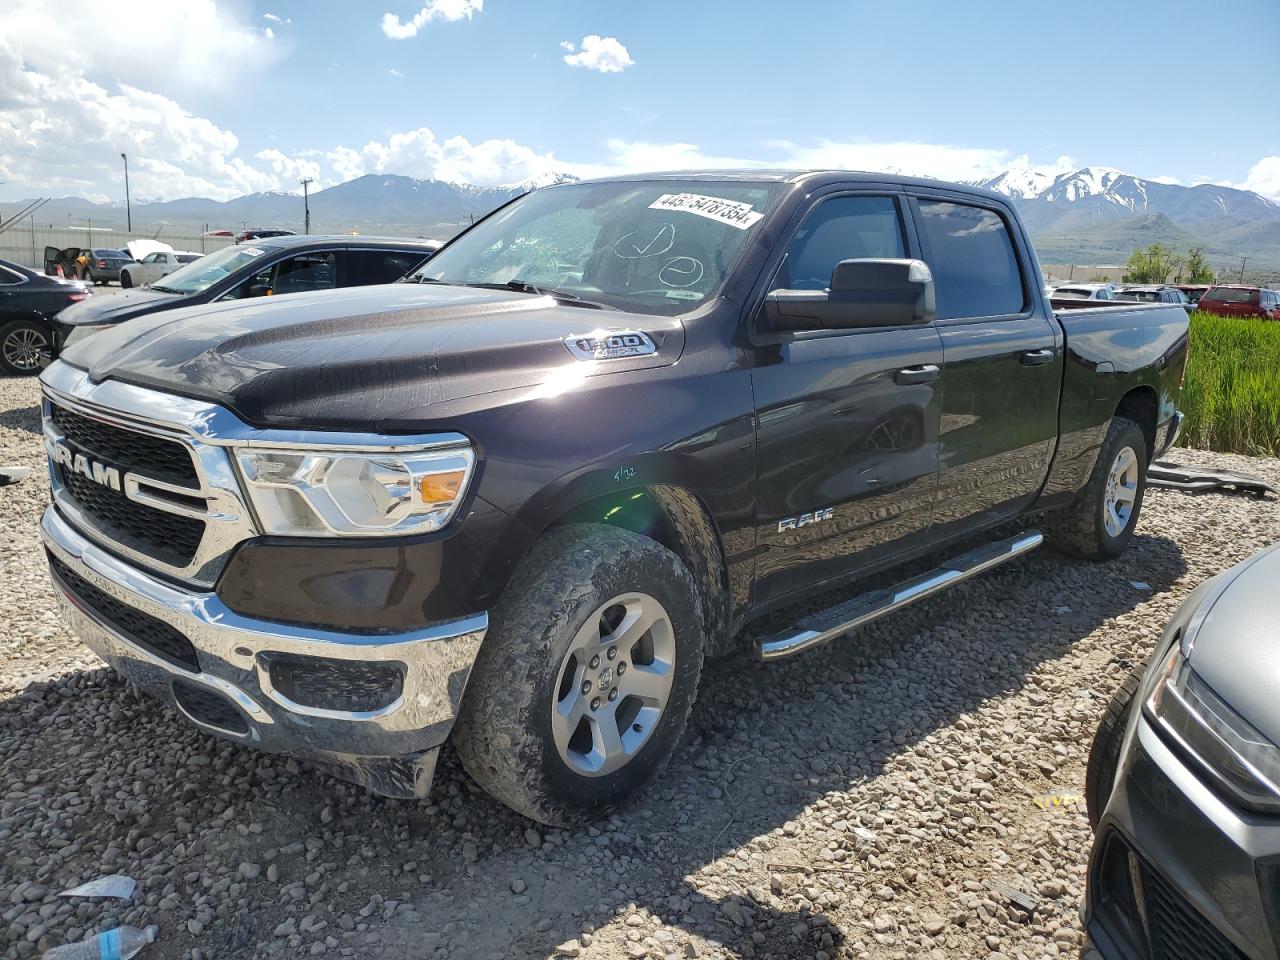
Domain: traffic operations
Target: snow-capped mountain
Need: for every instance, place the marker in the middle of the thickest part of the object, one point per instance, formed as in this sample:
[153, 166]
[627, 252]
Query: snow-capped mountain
[1106, 192]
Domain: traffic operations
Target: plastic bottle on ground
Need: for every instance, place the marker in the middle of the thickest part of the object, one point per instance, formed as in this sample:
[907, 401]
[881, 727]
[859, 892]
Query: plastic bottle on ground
[118, 944]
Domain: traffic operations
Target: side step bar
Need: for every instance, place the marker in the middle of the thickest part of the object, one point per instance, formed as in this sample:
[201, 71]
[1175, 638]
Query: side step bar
[836, 621]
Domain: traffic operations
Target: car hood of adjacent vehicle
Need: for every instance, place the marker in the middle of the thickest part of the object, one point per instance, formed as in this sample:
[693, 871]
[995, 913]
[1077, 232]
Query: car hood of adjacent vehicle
[390, 358]
[1236, 650]
[115, 308]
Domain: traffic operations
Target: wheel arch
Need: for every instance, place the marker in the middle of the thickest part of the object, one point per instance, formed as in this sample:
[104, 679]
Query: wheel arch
[1142, 406]
[675, 517]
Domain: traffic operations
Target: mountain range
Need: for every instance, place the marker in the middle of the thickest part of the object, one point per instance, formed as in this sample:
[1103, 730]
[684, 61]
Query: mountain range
[1099, 215]
[1094, 215]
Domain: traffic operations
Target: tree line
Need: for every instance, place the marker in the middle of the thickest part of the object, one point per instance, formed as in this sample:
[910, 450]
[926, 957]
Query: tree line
[1158, 264]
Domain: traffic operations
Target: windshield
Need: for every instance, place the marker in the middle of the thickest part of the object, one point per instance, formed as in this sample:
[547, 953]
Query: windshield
[205, 272]
[1147, 296]
[1231, 295]
[117, 254]
[1073, 292]
[660, 247]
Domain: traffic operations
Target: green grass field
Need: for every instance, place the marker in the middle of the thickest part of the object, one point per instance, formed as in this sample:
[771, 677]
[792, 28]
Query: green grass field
[1232, 392]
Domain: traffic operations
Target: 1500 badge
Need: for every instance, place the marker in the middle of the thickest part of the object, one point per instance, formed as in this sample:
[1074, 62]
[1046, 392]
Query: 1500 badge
[612, 345]
[804, 519]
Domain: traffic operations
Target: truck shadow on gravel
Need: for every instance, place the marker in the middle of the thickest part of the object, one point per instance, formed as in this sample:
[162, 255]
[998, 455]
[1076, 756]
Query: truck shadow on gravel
[22, 418]
[269, 860]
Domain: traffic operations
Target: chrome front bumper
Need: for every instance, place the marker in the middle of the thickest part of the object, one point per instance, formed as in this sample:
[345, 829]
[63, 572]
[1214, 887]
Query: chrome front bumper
[391, 750]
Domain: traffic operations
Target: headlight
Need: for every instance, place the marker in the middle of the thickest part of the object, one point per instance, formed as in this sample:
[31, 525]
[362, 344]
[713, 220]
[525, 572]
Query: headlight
[1230, 749]
[326, 493]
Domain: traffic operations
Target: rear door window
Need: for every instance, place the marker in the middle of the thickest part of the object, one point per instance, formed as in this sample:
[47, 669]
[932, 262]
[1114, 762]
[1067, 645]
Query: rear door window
[364, 267]
[975, 267]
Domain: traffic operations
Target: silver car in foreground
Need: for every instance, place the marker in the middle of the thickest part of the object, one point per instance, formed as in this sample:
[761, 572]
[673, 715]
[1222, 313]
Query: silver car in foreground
[1183, 784]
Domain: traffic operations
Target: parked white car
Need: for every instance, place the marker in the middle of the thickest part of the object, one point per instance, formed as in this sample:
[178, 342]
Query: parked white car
[154, 266]
[1084, 291]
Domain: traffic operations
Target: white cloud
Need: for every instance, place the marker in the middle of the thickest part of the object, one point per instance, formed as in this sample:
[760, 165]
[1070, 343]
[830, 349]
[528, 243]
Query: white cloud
[268, 33]
[71, 101]
[290, 169]
[1264, 178]
[419, 153]
[1171, 181]
[395, 73]
[203, 43]
[274, 18]
[605, 54]
[447, 10]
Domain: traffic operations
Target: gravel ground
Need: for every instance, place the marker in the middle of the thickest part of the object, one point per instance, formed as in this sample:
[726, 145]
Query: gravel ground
[854, 802]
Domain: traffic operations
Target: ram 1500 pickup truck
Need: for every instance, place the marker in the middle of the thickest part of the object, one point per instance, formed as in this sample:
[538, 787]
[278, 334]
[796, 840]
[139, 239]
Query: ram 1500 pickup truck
[523, 496]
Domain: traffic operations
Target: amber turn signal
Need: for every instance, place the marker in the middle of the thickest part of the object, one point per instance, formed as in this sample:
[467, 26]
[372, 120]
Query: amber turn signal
[441, 488]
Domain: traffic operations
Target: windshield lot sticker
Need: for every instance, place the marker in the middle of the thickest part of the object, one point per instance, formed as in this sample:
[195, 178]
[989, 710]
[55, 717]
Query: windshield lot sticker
[610, 346]
[732, 212]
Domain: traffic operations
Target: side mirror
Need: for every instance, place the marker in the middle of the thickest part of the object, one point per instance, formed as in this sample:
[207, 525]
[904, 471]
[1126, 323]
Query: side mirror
[863, 293]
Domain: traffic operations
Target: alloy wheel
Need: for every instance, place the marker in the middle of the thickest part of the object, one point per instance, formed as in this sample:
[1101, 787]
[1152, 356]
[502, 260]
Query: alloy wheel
[613, 685]
[1121, 492]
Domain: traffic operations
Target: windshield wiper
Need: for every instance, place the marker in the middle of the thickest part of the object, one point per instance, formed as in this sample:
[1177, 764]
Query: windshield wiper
[524, 286]
[156, 286]
[421, 278]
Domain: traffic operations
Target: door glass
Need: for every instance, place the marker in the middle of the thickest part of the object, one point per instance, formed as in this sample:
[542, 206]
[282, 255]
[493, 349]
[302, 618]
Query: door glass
[842, 228]
[364, 267]
[974, 266]
[300, 274]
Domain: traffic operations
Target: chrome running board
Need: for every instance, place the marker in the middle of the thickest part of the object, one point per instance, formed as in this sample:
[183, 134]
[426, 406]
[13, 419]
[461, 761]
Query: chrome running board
[836, 621]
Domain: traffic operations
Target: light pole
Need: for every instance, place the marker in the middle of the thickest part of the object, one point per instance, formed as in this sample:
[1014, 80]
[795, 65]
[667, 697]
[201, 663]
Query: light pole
[306, 204]
[128, 209]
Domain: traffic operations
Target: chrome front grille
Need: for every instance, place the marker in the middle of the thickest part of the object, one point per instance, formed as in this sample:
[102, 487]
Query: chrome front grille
[148, 489]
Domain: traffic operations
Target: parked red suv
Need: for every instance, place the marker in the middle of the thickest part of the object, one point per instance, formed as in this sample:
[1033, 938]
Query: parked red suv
[1230, 301]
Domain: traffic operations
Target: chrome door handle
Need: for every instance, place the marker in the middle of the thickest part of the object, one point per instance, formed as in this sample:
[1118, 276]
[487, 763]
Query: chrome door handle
[1034, 358]
[924, 373]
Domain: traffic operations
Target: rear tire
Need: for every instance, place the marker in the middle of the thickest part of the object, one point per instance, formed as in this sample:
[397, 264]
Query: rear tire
[1104, 754]
[25, 348]
[1100, 524]
[574, 704]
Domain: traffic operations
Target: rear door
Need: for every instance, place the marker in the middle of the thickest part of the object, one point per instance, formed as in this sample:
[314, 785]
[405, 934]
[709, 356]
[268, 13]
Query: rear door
[847, 453]
[1002, 369]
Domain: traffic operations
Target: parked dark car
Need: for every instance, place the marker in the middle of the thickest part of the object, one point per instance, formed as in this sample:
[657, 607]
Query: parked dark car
[533, 486]
[1154, 293]
[101, 264]
[29, 302]
[1183, 785]
[1229, 300]
[263, 233]
[272, 267]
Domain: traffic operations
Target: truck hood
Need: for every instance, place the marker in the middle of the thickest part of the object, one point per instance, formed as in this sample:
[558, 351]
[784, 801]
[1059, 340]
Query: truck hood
[1236, 651]
[389, 358]
[115, 308]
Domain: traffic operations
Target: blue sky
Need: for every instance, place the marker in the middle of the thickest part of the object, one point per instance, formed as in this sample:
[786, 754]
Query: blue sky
[222, 99]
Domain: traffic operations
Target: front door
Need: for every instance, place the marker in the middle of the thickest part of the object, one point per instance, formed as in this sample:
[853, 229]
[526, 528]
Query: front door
[1003, 366]
[847, 421]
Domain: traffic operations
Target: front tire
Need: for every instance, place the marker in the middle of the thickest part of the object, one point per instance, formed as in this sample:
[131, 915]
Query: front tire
[25, 348]
[126, 281]
[584, 684]
[1104, 754]
[1100, 524]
